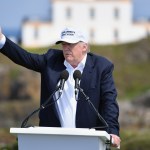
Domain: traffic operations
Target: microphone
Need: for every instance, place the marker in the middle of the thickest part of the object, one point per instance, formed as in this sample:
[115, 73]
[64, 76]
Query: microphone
[77, 77]
[63, 77]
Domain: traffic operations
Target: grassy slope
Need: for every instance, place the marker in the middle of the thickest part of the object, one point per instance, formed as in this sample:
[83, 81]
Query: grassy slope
[131, 76]
[131, 62]
[131, 66]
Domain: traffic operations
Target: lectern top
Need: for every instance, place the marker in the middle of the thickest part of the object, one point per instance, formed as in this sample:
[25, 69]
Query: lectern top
[61, 131]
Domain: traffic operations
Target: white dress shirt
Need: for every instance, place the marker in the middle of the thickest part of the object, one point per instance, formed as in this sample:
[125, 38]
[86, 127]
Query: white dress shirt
[2, 41]
[66, 105]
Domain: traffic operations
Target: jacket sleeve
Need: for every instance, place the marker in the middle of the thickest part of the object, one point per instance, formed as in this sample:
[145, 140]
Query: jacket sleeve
[110, 109]
[22, 57]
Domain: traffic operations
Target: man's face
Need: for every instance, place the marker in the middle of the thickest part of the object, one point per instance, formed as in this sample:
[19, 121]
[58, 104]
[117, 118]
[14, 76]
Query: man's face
[74, 53]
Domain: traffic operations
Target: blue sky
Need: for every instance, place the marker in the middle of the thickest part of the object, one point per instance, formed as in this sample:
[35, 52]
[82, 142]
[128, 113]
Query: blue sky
[141, 8]
[13, 11]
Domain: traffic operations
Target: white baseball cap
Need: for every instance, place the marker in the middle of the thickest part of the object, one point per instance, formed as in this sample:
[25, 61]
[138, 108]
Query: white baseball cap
[71, 35]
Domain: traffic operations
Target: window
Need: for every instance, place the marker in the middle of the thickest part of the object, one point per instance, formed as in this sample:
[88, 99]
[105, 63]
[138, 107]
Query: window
[68, 13]
[36, 32]
[116, 35]
[92, 35]
[92, 13]
[116, 13]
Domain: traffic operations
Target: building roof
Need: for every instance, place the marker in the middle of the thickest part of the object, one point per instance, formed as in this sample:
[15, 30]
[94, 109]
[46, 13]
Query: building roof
[37, 23]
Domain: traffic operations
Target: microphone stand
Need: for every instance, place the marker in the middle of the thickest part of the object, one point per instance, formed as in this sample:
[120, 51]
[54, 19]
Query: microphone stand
[108, 142]
[91, 104]
[43, 106]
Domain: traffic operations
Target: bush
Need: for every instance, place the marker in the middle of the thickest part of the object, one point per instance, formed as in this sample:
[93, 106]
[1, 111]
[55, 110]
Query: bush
[11, 147]
[136, 140]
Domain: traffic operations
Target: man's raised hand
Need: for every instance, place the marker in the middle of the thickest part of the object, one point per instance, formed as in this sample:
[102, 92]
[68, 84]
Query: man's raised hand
[1, 34]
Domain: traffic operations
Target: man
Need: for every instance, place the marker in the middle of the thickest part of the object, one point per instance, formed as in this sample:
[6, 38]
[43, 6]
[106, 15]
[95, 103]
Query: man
[96, 81]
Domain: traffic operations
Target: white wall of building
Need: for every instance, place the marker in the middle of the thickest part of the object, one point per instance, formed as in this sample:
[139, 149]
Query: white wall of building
[111, 23]
[38, 34]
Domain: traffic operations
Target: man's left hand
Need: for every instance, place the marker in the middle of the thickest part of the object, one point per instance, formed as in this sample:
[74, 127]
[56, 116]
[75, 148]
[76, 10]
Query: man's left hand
[115, 141]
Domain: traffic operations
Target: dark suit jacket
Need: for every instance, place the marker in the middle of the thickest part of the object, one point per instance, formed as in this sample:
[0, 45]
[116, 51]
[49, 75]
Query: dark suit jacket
[97, 83]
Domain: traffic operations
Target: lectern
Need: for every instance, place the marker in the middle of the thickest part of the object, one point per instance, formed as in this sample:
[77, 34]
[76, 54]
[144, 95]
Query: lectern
[47, 138]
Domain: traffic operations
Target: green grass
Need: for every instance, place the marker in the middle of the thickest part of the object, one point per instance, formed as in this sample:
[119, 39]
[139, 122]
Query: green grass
[8, 141]
[135, 139]
[132, 63]
[131, 74]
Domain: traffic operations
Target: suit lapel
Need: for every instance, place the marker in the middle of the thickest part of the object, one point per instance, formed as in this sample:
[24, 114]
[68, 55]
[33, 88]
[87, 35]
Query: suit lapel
[57, 69]
[85, 84]
[87, 74]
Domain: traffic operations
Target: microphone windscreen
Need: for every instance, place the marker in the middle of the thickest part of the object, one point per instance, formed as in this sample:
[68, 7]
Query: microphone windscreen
[64, 75]
[77, 75]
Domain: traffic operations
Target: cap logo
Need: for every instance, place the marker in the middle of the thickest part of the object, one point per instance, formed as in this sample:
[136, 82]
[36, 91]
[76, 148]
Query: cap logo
[70, 33]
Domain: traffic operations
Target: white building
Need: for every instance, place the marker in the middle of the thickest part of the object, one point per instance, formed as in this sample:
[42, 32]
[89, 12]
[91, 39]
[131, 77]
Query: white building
[104, 22]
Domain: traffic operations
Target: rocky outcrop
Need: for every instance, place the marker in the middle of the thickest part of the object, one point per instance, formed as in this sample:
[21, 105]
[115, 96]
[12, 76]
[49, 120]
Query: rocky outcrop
[4, 82]
[143, 100]
[132, 115]
[18, 86]
[25, 86]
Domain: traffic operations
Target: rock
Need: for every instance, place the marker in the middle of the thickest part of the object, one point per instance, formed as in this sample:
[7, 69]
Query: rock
[142, 100]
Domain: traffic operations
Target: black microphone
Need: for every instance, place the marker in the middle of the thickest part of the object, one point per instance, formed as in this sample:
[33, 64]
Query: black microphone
[63, 77]
[77, 77]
